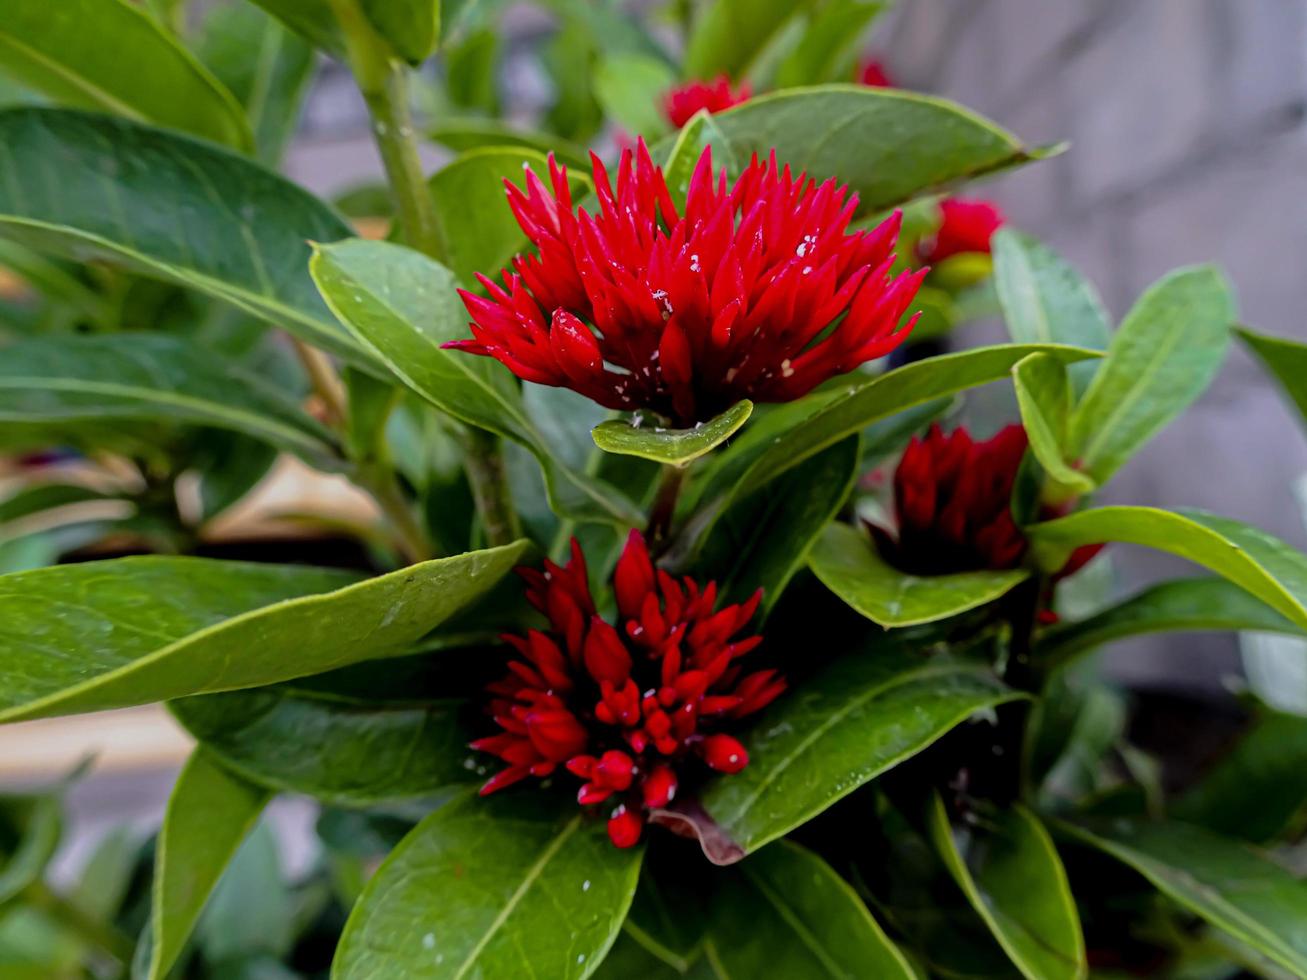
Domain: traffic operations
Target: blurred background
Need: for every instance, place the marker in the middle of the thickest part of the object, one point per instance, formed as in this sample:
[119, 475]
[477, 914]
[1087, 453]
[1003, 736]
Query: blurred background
[1187, 125]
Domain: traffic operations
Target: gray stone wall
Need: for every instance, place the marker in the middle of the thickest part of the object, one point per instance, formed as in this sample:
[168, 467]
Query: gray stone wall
[1187, 121]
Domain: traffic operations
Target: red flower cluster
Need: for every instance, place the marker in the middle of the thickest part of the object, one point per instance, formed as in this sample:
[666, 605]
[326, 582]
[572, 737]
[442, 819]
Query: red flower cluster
[681, 103]
[625, 707]
[953, 505]
[874, 75]
[751, 291]
[966, 225]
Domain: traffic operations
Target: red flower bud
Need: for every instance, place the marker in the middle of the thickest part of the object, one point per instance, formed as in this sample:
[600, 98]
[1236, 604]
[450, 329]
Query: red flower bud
[625, 827]
[724, 753]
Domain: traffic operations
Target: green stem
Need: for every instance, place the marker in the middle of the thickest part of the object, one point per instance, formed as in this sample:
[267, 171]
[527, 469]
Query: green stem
[489, 481]
[663, 510]
[94, 932]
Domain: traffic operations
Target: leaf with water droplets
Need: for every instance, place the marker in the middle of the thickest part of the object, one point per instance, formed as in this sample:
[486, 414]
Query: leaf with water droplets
[512, 885]
[673, 447]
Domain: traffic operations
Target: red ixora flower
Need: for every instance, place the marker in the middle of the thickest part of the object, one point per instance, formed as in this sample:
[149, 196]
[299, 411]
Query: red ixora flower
[681, 103]
[755, 290]
[953, 505]
[625, 708]
[873, 74]
[966, 225]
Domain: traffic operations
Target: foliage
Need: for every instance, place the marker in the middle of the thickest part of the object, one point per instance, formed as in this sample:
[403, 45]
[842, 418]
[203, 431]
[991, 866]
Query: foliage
[947, 786]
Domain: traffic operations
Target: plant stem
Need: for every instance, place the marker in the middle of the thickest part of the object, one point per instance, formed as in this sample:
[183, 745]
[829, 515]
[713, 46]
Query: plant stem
[410, 537]
[489, 482]
[324, 381]
[97, 933]
[383, 80]
[663, 510]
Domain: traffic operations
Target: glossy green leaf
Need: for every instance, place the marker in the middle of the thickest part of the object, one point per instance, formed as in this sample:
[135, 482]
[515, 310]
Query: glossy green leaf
[1285, 359]
[250, 916]
[847, 562]
[471, 133]
[472, 72]
[145, 376]
[266, 66]
[1046, 300]
[88, 186]
[806, 427]
[75, 51]
[673, 447]
[1269, 765]
[888, 145]
[483, 236]
[854, 719]
[1250, 558]
[403, 305]
[785, 913]
[1043, 389]
[831, 42]
[629, 958]
[1006, 865]
[1231, 885]
[410, 27]
[1181, 606]
[728, 36]
[1162, 357]
[668, 915]
[509, 885]
[136, 630]
[340, 750]
[695, 136]
[764, 538]
[209, 813]
[311, 19]
[630, 88]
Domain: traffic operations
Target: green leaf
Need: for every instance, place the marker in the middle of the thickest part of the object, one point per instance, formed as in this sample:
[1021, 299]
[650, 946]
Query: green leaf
[784, 913]
[764, 539]
[1165, 353]
[472, 72]
[410, 27]
[340, 750]
[1250, 558]
[136, 630]
[250, 914]
[673, 447]
[209, 813]
[696, 135]
[1285, 359]
[829, 46]
[1231, 885]
[1180, 606]
[403, 305]
[31, 825]
[847, 562]
[143, 376]
[888, 145]
[76, 51]
[629, 958]
[806, 427]
[853, 720]
[1043, 390]
[1268, 764]
[728, 35]
[93, 187]
[1006, 865]
[505, 886]
[311, 19]
[669, 912]
[464, 134]
[266, 67]
[483, 236]
[630, 88]
[1045, 300]
[46, 496]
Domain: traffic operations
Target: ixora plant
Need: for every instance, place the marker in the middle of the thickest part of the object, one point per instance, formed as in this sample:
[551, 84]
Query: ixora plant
[787, 683]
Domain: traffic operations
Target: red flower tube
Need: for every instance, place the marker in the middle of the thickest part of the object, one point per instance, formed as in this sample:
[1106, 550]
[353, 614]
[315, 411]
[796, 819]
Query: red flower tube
[681, 103]
[874, 75]
[756, 290]
[625, 708]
